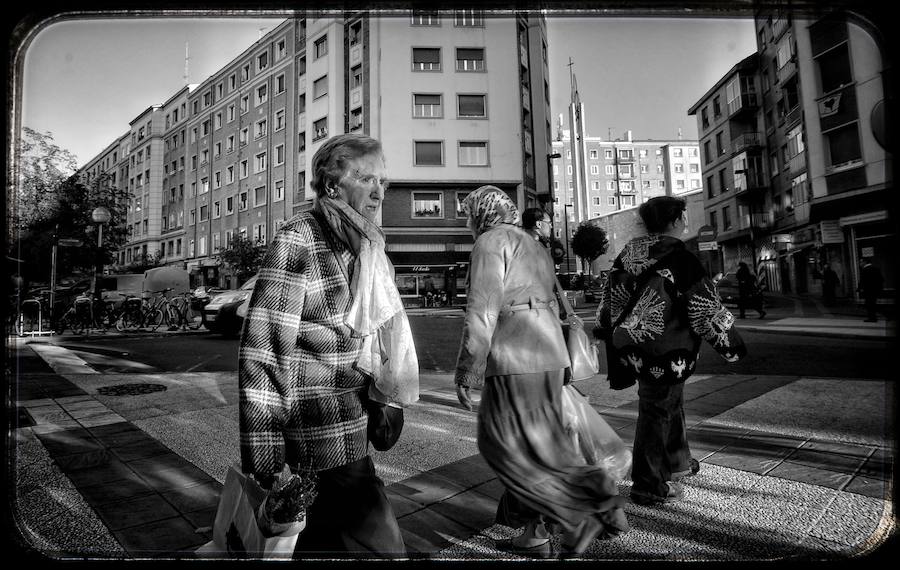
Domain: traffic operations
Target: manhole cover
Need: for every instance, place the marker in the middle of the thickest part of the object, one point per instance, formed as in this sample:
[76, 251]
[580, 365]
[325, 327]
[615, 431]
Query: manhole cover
[130, 389]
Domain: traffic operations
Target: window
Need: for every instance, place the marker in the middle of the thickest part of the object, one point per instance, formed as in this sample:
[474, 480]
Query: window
[244, 135]
[834, 68]
[626, 170]
[355, 34]
[218, 151]
[595, 185]
[626, 154]
[261, 128]
[262, 94]
[427, 205]
[204, 213]
[259, 195]
[193, 165]
[279, 154]
[677, 152]
[425, 18]
[262, 61]
[473, 153]
[301, 142]
[594, 154]
[301, 67]
[610, 200]
[608, 153]
[321, 46]
[245, 72]
[595, 169]
[469, 19]
[429, 153]
[301, 104]
[569, 169]
[278, 193]
[259, 162]
[679, 184]
[356, 77]
[279, 84]
[242, 201]
[610, 170]
[426, 59]
[693, 152]
[726, 218]
[356, 119]
[232, 82]
[192, 219]
[217, 180]
[707, 151]
[229, 174]
[229, 205]
[628, 200]
[694, 168]
[471, 106]
[320, 87]
[320, 129]
[280, 49]
[204, 185]
[469, 59]
[795, 141]
[723, 186]
[245, 169]
[720, 149]
[301, 182]
[717, 106]
[218, 120]
[645, 169]
[842, 145]
[784, 51]
[679, 169]
[427, 105]
[245, 104]
[259, 233]
[204, 156]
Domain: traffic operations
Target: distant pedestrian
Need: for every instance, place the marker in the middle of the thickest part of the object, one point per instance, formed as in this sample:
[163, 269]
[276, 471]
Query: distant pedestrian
[657, 306]
[870, 284]
[830, 282]
[749, 294]
[512, 345]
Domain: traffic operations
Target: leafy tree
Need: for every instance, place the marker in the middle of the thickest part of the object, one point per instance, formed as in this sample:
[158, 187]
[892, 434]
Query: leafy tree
[243, 256]
[589, 241]
[142, 263]
[52, 202]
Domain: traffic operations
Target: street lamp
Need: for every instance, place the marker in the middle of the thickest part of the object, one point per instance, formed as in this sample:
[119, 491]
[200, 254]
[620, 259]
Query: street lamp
[100, 216]
[550, 180]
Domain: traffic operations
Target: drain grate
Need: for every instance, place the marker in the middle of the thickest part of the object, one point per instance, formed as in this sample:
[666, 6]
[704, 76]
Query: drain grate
[131, 389]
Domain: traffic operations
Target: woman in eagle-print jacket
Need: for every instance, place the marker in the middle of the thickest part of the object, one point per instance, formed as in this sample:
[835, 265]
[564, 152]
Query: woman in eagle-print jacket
[657, 343]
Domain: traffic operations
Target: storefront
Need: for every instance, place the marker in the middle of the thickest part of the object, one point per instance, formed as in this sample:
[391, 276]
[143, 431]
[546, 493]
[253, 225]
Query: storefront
[440, 284]
[871, 236]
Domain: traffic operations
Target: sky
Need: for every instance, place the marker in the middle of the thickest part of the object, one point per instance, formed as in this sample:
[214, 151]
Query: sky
[85, 80]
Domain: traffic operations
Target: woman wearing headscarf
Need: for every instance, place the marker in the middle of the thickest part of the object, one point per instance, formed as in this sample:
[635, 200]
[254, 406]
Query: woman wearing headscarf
[512, 346]
[325, 343]
[656, 307]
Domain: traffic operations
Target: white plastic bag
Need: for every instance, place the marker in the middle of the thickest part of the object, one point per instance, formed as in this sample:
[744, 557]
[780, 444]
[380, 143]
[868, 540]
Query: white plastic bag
[598, 443]
[237, 532]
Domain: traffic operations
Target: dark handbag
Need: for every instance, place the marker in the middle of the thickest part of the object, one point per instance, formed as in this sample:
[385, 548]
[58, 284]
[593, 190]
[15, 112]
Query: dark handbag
[385, 424]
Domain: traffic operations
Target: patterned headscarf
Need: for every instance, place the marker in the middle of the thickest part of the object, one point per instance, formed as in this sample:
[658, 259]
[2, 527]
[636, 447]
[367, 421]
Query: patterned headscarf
[488, 207]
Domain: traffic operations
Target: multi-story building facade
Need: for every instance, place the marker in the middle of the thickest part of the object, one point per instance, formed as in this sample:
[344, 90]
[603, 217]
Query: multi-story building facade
[458, 100]
[620, 174]
[731, 143]
[807, 162]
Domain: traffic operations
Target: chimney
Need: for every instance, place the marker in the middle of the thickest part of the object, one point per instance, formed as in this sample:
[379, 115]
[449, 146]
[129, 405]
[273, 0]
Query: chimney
[628, 136]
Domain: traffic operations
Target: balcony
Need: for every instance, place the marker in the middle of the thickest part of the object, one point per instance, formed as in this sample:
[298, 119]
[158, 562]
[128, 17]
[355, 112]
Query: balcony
[763, 220]
[797, 164]
[747, 102]
[746, 141]
[526, 98]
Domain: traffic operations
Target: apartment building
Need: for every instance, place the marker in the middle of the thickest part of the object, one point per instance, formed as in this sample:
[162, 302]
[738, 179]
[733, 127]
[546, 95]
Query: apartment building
[620, 174]
[807, 163]
[732, 158]
[458, 100]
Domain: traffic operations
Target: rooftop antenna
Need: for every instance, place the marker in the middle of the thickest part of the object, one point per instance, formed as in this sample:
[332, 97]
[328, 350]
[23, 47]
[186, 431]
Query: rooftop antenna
[187, 60]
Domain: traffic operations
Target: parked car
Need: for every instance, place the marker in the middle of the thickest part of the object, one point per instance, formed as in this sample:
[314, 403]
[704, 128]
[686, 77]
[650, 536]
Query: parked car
[727, 287]
[220, 314]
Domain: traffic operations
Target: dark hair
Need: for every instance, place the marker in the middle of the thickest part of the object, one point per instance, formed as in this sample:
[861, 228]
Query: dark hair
[329, 163]
[589, 241]
[657, 213]
[531, 217]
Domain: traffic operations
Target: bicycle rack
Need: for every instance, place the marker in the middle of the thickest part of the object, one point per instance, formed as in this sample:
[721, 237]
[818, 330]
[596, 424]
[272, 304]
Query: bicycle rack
[40, 321]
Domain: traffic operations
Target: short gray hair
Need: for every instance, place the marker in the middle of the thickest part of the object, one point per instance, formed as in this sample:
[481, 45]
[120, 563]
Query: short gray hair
[329, 163]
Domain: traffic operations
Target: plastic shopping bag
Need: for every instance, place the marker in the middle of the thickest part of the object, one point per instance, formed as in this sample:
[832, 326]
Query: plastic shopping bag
[237, 532]
[598, 443]
[583, 357]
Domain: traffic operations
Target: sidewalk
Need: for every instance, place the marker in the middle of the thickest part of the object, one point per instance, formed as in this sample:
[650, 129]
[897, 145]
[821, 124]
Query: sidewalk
[126, 466]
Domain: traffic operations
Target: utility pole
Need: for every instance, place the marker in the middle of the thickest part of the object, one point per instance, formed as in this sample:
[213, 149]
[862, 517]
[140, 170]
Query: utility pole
[53, 270]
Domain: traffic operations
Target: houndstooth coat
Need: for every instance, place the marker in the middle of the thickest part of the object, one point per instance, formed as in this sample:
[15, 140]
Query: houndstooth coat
[300, 391]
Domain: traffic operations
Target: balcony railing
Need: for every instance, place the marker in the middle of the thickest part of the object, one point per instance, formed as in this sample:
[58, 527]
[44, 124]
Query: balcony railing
[797, 163]
[745, 141]
[763, 220]
[526, 98]
[747, 101]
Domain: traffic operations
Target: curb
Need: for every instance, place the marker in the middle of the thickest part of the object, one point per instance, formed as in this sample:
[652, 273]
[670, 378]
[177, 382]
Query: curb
[814, 333]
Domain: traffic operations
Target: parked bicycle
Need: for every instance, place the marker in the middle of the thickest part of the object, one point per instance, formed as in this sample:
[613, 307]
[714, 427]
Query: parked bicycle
[84, 314]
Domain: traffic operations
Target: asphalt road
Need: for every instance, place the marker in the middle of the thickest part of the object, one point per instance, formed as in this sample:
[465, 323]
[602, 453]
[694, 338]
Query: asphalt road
[437, 343]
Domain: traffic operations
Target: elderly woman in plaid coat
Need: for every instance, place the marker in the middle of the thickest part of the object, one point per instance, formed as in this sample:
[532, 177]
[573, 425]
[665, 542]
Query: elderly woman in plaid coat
[326, 341]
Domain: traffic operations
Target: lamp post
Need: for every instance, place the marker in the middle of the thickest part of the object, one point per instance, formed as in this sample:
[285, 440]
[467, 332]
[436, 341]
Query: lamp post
[550, 158]
[99, 216]
[566, 225]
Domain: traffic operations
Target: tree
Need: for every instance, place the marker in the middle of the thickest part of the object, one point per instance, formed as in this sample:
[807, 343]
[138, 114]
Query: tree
[50, 201]
[589, 241]
[243, 256]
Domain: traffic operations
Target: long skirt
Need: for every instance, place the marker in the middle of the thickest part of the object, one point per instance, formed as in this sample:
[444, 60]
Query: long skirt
[521, 435]
[351, 517]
